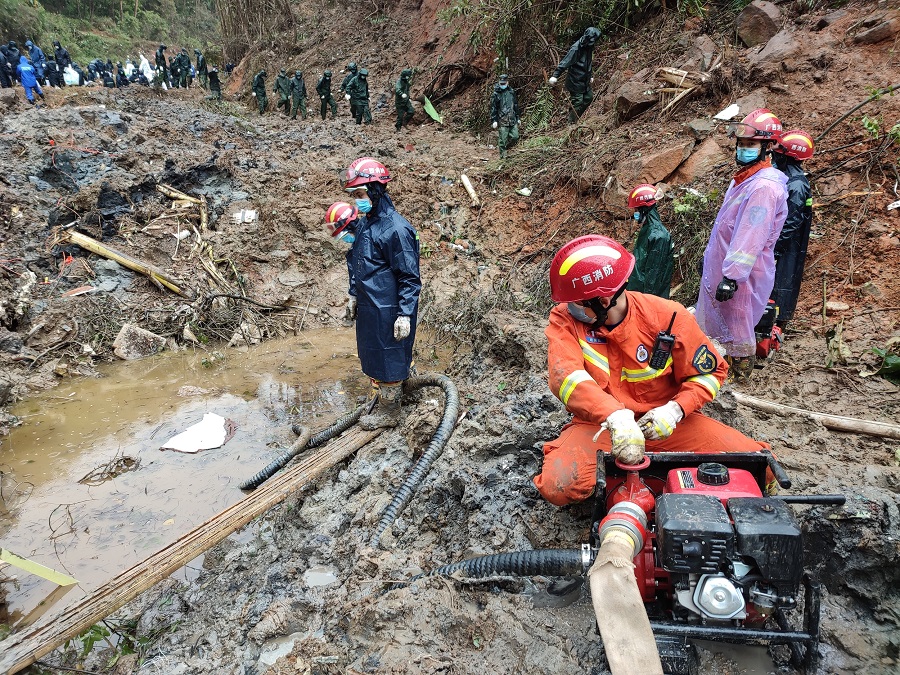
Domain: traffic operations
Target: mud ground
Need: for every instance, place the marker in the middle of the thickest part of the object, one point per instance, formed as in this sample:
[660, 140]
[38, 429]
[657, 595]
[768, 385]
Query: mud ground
[483, 273]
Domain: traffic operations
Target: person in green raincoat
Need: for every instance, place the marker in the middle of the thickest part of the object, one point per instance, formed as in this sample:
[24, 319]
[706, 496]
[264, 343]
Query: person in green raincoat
[298, 95]
[323, 89]
[259, 91]
[283, 89]
[402, 103]
[653, 259]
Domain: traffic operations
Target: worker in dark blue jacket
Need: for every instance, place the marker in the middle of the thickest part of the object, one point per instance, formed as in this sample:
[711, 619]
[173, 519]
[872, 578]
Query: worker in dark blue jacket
[38, 60]
[788, 152]
[26, 74]
[578, 61]
[384, 288]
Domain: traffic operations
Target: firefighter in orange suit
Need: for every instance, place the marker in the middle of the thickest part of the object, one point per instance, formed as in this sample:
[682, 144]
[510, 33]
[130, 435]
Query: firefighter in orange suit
[601, 341]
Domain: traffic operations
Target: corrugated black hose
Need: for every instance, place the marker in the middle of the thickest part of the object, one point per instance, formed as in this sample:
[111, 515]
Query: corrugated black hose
[552, 562]
[339, 427]
[432, 452]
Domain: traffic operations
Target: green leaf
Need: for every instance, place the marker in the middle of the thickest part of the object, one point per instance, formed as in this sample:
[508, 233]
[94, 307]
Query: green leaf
[501, 386]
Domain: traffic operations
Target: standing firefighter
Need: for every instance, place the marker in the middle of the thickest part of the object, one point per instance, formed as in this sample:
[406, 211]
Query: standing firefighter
[505, 115]
[184, 68]
[653, 259]
[345, 83]
[404, 106]
[202, 72]
[601, 340]
[298, 95]
[739, 261]
[323, 89]
[38, 60]
[215, 86]
[161, 66]
[283, 89]
[790, 251]
[384, 288]
[358, 95]
[578, 61]
[259, 91]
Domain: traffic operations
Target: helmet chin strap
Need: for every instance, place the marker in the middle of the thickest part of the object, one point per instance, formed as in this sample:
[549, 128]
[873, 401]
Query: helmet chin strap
[597, 307]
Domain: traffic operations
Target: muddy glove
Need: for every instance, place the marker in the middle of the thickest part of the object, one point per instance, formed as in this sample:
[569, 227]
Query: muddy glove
[347, 96]
[552, 81]
[494, 125]
[660, 422]
[626, 436]
[401, 328]
[350, 310]
[726, 289]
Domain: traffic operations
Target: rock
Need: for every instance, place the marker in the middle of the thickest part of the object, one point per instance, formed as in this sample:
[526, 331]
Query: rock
[885, 30]
[833, 306]
[705, 157]
[700, 55]
[783, 45]
[134, 342]
[279, 255]
[5, 392]
[831, 18]
[632, 99]
[701, 128]
[41, 185]
[758, 22]
[8, 99]
[752, 101]
[10, 342]
[292, 278]
[653, 167]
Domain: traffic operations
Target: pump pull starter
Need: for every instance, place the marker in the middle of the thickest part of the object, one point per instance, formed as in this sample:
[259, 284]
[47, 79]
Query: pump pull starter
[662, 347]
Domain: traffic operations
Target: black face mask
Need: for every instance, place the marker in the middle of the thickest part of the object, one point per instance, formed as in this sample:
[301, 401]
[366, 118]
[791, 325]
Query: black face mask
[597, 308]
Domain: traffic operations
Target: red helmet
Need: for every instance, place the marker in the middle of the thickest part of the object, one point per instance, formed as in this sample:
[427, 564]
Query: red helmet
[365, 170]
[588, 267]
[643, 195]
[795, 143]
[760, 125]
[339, 215]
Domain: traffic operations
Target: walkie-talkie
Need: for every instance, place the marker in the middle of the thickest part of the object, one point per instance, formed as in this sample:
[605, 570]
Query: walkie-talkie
[662, 348]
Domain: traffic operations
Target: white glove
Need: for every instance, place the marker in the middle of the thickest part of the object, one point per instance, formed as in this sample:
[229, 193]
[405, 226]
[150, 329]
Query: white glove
[253, 94]
[350, 310]
[401, 328]
[347, 96]
[552, 81]
[494, 125]
[592, 80]
[626, 436]
[660, 422]
[403, 96]
[322, 97]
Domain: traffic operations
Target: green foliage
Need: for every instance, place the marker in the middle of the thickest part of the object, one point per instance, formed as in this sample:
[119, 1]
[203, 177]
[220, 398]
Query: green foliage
[21, 20]
[538, 114]
[872, 125]
[691, 221]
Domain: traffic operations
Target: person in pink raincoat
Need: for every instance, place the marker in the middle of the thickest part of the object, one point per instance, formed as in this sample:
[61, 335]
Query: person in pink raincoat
[739, 261]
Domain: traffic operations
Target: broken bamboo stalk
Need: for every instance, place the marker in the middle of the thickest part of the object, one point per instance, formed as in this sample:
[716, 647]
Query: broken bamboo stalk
[837, 422]
[155, 274]
[467, 184]
[204, 214]
[172, 193]
[22, 649]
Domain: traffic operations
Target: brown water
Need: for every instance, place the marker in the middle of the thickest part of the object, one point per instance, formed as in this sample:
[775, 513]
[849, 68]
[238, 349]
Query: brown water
[92, 532]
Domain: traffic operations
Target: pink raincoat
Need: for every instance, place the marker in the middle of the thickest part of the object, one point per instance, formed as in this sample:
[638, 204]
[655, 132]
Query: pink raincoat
[741, 247]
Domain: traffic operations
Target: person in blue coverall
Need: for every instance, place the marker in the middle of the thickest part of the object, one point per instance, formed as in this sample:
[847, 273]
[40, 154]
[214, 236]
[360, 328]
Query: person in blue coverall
[384, 288]
[26, 74]
[38, 60]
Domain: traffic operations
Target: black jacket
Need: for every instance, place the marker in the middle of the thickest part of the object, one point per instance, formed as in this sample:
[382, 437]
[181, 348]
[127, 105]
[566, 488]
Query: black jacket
[504, 107]
[578, 61]
[790, 249]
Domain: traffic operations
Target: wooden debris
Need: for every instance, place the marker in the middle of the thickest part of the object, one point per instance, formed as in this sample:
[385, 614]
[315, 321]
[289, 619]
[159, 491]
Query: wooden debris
[156, 275]
[172, 193]
[204, 214]
[467, 184]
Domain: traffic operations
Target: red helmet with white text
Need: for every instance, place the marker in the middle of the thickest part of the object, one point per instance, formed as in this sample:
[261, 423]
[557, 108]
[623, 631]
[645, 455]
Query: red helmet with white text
[795, 143]
[760, 125]
[365, 170]
[643, 195]
[338, 216]
[592, 266]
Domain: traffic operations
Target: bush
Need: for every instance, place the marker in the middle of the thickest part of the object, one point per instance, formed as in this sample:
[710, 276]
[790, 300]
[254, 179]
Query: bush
[21, 21]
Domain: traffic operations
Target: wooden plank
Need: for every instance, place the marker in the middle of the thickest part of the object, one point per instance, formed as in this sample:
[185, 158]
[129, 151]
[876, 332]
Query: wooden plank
[24, 648]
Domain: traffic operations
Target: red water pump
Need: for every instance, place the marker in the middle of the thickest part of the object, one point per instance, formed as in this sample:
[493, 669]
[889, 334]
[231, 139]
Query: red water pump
[716, 559]
[769, 336]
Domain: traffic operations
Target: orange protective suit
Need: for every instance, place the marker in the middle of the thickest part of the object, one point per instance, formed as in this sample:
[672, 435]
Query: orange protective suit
[595, 373]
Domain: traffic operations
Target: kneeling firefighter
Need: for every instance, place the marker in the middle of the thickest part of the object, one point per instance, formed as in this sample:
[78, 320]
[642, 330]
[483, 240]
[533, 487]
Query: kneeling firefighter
[637, 364]
[384, 288]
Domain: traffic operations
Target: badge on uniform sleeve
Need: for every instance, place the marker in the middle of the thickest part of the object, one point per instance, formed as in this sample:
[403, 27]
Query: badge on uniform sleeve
[642, 355]
[704, 360]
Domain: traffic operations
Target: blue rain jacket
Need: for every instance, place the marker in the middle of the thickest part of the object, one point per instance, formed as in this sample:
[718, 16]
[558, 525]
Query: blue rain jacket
[38, 60]
[26, 72]
[384, 277]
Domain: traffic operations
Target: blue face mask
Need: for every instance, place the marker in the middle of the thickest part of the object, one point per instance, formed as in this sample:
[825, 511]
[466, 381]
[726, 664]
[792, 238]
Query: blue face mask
[637, 216]
[346, 237]
[503, 86]
[364, 205]
[744, 156]
[579, 314]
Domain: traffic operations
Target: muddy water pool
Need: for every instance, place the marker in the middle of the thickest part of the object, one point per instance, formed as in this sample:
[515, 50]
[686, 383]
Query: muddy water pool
[134, 498]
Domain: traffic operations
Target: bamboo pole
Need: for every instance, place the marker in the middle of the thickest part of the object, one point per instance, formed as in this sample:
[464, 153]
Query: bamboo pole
[156, 275]
[22, 649]
[172, 193]
[467, 184]
[837, 422]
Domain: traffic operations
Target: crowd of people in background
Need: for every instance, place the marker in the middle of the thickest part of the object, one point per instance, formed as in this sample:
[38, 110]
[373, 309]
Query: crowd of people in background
[34, 69]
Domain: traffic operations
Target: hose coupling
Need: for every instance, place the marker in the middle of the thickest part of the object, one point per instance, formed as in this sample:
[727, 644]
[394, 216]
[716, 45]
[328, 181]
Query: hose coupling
[628, 518]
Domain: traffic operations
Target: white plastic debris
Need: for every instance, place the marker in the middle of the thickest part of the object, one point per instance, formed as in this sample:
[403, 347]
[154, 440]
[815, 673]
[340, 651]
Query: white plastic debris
[525, 191]
[728, 113]
[244, 216]
[210, 433]
[893, 205]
